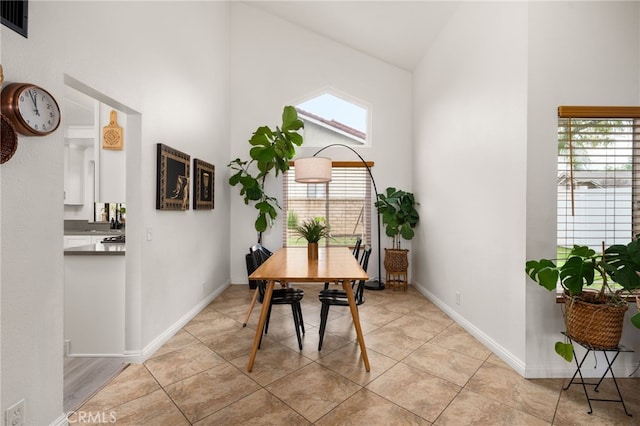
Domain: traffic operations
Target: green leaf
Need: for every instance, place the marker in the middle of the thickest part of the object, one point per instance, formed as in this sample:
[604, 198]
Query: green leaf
[565, 350]
[262, 154]
[261, 223]
[253, 193]
[622, 265]
[635, 320]
[235, 179]
[262, 136]
[577, 273]
[289, 117]
[406, 232]
[296, 138]
[544, 272]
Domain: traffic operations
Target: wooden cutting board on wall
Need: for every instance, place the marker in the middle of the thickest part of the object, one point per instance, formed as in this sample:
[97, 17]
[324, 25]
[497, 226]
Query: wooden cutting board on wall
[112, 134]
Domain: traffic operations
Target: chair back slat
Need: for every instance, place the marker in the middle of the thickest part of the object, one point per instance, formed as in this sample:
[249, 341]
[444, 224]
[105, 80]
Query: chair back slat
[356, 248]
[359, 290]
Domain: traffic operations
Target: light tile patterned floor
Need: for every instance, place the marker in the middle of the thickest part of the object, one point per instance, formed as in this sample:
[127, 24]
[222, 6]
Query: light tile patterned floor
[425, 369]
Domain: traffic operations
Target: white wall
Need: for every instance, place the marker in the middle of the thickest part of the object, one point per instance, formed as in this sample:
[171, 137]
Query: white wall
[180, 88]
[485, 117]
[556, 29]
[470, 95]
[275, 63]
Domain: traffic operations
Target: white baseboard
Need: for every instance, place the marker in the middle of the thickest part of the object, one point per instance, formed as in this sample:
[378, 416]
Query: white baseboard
[138, 357]
[514, 362]
[622, 368]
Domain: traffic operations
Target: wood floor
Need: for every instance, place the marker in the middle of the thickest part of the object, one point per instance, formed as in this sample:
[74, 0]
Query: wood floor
[83, 377]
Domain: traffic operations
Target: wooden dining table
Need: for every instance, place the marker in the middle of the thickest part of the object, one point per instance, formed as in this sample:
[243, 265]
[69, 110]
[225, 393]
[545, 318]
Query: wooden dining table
[291, 264]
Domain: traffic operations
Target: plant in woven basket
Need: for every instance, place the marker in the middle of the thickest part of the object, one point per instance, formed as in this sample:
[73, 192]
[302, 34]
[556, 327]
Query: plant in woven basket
[399, 214]
[591, 317]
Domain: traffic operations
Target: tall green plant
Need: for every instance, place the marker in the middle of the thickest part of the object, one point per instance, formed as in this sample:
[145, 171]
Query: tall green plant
[399, 214]
[271, 151]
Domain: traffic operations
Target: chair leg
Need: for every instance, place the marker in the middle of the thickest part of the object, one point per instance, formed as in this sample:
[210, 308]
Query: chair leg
[253, 303]
[266, 326]
[296, 321]
[300, 318]
[266, 323]
[324, 314]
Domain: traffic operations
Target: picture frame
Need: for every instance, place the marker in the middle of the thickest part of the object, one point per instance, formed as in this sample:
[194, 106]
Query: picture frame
[203, 189]
[173, 173]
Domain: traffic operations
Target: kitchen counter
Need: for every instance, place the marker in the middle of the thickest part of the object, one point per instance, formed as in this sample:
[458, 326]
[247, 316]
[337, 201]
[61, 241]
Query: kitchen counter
[98, 249]
[109, 232]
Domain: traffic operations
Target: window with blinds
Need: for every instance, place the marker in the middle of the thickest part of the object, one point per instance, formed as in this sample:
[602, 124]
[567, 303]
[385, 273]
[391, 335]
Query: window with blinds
[344, 204]
[598, 177]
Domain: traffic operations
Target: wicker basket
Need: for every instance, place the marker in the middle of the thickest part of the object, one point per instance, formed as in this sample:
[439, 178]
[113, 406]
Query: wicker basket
[396, 260]
[597, 325]
[9, 140]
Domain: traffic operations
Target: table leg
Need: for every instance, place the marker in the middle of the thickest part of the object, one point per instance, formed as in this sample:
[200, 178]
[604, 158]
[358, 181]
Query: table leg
[346, 285]
[263, 317]
[253, 303]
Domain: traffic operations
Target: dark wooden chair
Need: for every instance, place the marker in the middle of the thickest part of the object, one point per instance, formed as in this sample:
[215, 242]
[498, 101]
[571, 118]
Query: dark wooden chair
[335, 297]
[281, 296]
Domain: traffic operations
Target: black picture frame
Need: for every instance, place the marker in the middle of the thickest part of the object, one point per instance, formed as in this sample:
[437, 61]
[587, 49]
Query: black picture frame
[173, 177]
[203, 189]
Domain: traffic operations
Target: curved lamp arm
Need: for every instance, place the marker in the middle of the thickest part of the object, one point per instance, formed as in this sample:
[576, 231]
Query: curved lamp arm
[380, 284]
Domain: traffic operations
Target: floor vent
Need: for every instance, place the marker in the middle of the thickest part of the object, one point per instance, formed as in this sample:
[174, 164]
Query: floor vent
[15, 15]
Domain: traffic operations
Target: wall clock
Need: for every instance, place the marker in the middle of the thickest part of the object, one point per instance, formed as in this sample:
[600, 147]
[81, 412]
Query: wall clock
[31, 109]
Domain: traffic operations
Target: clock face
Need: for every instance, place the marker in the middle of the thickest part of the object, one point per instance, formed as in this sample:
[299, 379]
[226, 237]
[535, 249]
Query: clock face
[38, 109]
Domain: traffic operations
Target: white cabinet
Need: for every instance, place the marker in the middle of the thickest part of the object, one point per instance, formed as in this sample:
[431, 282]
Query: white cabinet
[94, 305]
[76, 240]
[82, 240]
[74, 174]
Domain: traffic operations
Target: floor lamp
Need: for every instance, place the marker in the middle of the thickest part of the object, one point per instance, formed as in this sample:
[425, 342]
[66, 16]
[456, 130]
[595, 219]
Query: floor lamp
[318, 170]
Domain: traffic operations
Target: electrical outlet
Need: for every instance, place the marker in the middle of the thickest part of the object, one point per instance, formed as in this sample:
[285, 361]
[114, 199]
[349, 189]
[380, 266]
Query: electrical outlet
[15, 414]
[457, 298]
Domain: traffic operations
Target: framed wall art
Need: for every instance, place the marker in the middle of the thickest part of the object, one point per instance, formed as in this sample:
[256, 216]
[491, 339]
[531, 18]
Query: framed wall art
[204, 178]
[173, 172]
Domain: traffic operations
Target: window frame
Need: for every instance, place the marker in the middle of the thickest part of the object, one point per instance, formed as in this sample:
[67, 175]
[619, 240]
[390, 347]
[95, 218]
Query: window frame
[603, 176]
[368, 200]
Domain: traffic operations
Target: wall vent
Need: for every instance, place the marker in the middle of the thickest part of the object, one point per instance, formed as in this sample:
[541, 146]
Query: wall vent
[15, 14]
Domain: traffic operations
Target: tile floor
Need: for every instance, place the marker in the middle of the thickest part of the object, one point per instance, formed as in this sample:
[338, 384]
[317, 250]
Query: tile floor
[425, 369]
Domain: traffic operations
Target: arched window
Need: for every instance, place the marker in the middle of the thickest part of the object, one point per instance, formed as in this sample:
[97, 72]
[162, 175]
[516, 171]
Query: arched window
[331, 118]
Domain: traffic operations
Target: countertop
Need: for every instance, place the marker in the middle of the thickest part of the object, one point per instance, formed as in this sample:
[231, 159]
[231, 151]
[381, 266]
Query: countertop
[109, 232]
[98, 249]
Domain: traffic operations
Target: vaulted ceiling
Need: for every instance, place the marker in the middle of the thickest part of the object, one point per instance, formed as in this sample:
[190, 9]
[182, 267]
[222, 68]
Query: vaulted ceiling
[397, 32]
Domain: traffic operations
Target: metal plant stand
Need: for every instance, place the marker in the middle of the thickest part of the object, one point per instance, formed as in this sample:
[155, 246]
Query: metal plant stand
[616, 352]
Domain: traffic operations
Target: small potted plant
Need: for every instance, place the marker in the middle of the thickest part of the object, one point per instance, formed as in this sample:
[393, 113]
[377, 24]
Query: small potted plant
[593, 317]
[399, 215]
[312, 231]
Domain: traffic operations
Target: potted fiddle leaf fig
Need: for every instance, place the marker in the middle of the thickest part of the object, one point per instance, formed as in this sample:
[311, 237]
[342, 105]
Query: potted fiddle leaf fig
[270, 152]
[399, 215]
[593, 317]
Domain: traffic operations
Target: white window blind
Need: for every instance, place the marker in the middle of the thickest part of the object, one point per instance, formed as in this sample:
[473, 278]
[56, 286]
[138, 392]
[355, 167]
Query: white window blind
[598, 177]
[344, 204]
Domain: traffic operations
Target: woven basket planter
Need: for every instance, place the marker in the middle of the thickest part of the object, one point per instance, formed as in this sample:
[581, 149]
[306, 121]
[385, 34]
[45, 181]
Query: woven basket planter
[396, 260]
[597, 325]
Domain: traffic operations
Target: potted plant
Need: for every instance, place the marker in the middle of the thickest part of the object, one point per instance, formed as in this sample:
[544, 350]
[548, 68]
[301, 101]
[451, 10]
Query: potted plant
[399, 215]
[593, 317]
[271, 151]
[312, 231]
